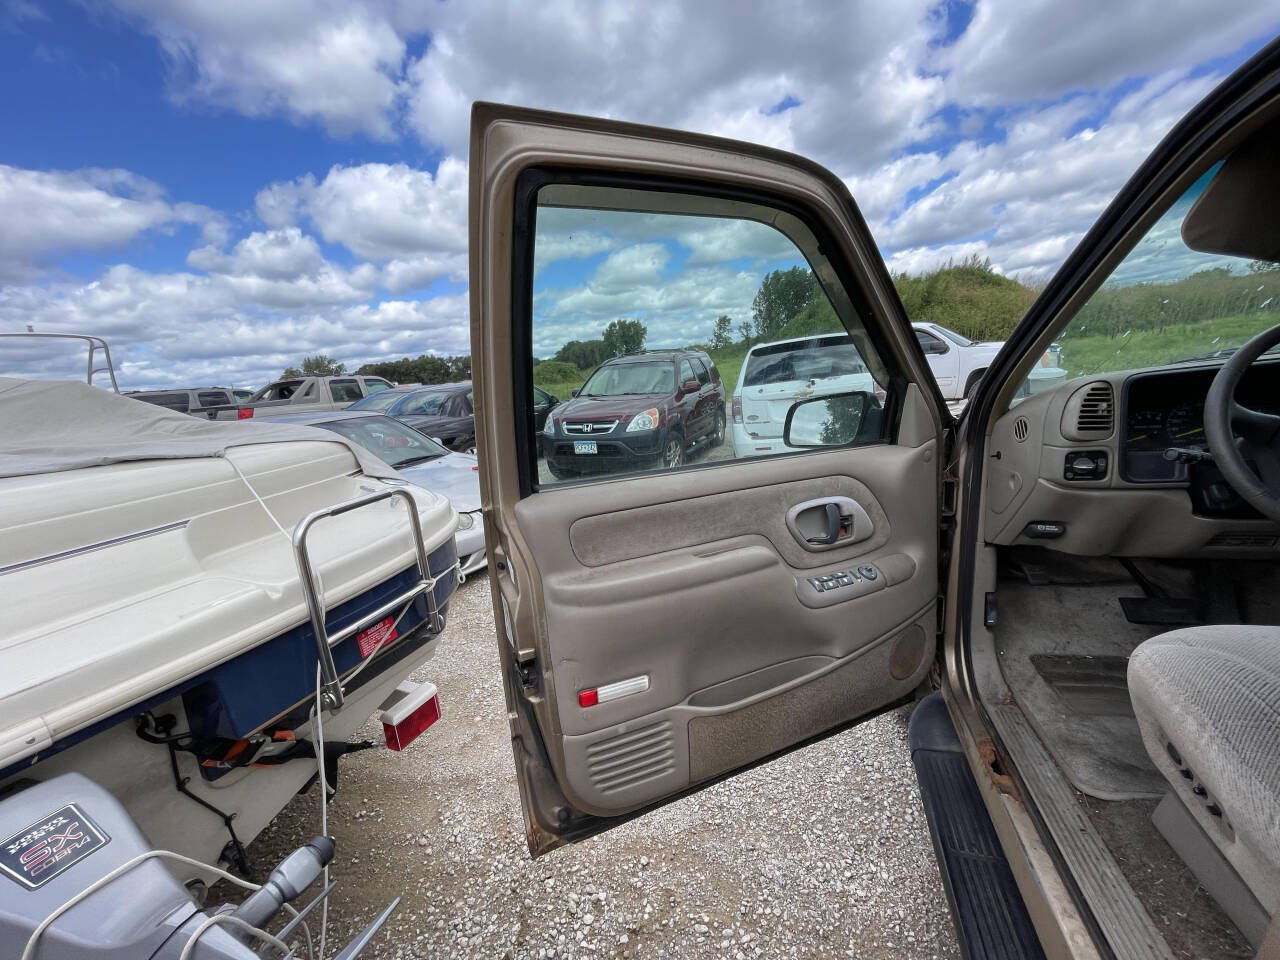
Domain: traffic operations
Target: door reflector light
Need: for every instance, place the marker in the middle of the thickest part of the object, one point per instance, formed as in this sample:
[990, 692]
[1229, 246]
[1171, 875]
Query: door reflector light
[612, 691]
[409, 712]
[244, 413]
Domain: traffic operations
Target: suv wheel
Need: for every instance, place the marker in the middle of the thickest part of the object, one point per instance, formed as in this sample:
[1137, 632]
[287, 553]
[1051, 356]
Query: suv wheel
[717, 438]
[673, 451]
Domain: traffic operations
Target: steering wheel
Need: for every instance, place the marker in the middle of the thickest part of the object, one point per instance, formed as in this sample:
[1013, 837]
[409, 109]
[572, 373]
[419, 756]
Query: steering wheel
[1245, 443]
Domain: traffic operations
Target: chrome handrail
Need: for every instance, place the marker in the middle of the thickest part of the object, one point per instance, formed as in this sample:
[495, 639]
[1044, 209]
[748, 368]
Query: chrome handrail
[331, 692]
[95, 344]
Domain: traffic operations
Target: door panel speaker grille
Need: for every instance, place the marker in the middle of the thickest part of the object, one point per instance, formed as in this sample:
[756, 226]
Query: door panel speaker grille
[622, 762]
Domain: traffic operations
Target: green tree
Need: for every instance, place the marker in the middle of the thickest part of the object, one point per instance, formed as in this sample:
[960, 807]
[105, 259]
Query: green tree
[320, 365]
[744, 332]
[782, 295]
[721, 333]
[425, 369]
[583, 354]
[624, 337]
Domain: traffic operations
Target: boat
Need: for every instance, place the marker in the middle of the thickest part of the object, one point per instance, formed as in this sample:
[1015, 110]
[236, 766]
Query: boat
[183, 600]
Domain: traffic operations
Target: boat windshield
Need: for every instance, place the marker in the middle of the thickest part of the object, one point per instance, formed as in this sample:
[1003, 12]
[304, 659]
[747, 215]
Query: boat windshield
[387, 439]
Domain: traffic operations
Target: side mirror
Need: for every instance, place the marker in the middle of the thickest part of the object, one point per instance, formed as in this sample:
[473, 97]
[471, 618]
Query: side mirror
[690, 386]
[574, 392]
[832, 421]
[934, 346]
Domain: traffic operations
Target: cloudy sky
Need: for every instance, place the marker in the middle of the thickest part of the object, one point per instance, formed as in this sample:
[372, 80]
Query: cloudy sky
[222, 186]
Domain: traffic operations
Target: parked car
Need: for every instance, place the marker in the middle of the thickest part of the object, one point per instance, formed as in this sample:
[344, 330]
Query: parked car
[419, 460]
[303, 393]
[192, 400]
[442, 411]
[645, 410]
[958, 363]
[775, 375]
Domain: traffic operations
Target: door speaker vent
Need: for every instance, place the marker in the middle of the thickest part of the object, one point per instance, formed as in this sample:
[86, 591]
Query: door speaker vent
[1021, 429]
[621, 763]
[1090, 413]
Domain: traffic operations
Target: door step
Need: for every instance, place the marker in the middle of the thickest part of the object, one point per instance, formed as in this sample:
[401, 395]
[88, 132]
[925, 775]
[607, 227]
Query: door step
[991, 919]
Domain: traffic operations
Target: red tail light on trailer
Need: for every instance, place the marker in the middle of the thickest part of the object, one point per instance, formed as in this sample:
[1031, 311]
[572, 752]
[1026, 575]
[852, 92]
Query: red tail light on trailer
[409, 712]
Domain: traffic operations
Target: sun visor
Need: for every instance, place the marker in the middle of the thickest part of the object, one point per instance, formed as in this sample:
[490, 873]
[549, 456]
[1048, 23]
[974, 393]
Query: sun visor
[1239, 212]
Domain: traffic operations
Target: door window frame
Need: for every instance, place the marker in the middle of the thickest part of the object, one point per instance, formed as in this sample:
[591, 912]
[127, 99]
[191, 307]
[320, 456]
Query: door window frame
[524, 222]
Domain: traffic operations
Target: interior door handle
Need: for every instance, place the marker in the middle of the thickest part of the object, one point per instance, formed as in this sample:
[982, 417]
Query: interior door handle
[829, 523]
[833, 526]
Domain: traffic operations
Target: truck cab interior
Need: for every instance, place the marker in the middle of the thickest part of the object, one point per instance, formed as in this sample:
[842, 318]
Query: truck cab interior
[1126, 595]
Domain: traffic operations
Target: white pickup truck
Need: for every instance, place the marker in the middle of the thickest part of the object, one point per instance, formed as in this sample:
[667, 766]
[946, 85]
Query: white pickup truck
[958, 363]
[302, 395]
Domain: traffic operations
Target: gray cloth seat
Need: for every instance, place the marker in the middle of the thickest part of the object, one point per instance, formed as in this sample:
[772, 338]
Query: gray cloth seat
[1208, 702]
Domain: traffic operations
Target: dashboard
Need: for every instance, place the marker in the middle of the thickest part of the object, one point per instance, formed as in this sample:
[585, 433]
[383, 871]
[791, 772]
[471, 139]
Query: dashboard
[1164, 410]
[1085, 467]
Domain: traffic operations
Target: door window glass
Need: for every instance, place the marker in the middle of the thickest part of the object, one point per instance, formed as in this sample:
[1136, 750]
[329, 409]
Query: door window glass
[344, 391]
[376, 386]
[631, 288]
[930, 344]
[686, 372]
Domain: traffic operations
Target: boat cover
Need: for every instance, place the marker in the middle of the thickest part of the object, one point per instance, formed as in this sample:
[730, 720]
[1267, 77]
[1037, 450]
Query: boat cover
[50, 426]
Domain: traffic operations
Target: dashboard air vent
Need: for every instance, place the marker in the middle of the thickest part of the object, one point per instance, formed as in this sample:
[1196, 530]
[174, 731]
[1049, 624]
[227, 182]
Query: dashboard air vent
[1090, 412]
[1021, 429]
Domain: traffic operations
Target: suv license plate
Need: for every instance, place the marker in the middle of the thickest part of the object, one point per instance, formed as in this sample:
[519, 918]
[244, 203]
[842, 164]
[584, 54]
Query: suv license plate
[584, 446]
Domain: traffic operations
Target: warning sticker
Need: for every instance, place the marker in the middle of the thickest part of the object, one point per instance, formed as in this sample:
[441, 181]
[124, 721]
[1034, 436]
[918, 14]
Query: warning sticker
[380, 634]
[40, 851]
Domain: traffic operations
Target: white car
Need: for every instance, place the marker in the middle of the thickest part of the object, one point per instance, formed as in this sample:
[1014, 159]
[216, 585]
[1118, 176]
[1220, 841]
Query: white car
[958, 363]
[775, 375]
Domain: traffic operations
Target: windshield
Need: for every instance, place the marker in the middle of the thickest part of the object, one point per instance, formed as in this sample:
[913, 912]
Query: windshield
[621, 379]
[380, 401]
[421, 404]
[816, 359]
[1166, 303]
[388, 439]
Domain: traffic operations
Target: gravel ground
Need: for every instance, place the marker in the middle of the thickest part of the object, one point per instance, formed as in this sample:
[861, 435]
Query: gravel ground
[823, 852]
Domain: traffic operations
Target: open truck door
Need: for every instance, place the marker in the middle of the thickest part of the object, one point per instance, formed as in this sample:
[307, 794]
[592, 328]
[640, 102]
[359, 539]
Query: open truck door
[661, 628]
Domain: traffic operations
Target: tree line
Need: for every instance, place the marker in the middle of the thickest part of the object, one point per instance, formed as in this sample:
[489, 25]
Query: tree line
[968, 296]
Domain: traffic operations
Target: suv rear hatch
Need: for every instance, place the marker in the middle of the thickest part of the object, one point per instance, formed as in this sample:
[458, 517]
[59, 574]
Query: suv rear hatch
[776, 375]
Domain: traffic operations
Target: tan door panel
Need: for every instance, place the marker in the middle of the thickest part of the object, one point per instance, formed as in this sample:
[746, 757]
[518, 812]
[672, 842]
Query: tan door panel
[705, 597]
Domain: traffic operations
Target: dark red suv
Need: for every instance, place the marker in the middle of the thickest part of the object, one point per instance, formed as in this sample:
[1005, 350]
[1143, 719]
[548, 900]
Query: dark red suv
[636, 412]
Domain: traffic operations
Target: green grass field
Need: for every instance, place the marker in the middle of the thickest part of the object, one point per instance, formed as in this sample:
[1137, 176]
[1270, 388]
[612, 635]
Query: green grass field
[1148, 348]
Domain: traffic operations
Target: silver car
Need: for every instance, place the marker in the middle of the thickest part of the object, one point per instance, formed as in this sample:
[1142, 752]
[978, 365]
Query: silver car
[421, 461]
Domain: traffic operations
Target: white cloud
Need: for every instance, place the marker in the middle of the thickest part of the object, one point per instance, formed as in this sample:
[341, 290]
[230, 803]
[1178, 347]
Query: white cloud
[1019, 50]
[854, 72]
[47, 213]
[273, 254]
[378, 211]
[326, 61]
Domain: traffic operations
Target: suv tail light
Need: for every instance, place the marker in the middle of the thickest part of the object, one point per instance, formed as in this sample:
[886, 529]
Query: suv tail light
[737, 409]
[244, 413]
